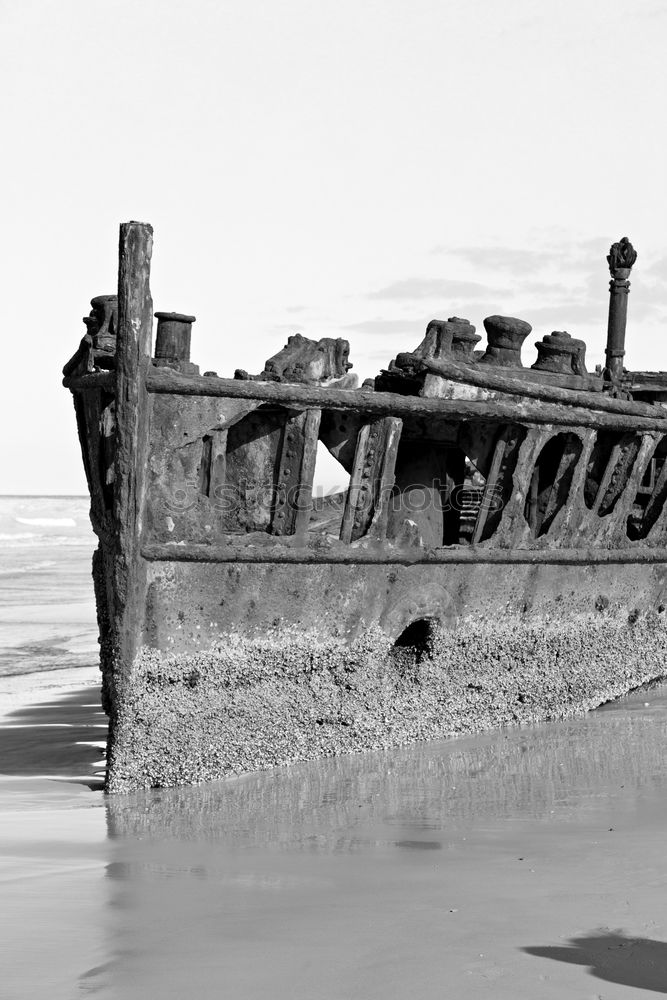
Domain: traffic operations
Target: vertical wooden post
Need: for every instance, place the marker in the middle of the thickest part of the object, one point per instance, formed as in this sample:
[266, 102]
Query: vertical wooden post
[135, 322]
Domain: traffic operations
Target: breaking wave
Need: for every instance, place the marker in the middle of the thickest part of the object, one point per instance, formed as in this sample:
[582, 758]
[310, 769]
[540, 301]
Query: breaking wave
[29, 568]
[52, 522]
[30, 541]
[48, 522]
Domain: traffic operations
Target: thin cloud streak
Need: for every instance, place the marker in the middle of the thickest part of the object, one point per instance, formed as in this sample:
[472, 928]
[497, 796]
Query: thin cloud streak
[412, 289]
[389, 327]
[500, 258]
[563, 256]
[658, 269]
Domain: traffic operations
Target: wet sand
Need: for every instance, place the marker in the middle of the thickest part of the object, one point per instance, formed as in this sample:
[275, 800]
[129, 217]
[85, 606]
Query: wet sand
[527, 863]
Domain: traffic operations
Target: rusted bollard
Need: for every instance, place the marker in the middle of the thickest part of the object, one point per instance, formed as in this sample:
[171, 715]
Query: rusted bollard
[505, 336]
[464, 338]
[172, 342]
[561, 354]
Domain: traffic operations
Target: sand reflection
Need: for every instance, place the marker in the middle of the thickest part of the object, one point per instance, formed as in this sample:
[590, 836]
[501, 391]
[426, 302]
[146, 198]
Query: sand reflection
[531, 773]
[457, 868]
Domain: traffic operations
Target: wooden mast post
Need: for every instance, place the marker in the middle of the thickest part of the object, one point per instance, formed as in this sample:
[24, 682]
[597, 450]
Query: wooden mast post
[135, 322]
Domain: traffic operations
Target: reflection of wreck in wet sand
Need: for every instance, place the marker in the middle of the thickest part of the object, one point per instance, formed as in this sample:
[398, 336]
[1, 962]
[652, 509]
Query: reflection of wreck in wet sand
[498, 556]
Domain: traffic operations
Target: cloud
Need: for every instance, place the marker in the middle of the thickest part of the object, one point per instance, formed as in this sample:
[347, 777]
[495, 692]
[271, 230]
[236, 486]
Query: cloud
[389, 327]
[563, 255]
[646, 310]
[566, 315]
[560, 287]
[381, 357]
[501, 258]
[653, 10]
[658, 269]
[594, 249]
[411, 289]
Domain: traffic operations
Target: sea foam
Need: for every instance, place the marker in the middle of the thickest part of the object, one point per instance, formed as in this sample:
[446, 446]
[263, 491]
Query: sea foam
[48, 522]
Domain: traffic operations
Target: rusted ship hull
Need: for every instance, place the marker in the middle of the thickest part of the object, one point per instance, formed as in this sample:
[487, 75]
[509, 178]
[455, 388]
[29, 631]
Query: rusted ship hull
[241, 628]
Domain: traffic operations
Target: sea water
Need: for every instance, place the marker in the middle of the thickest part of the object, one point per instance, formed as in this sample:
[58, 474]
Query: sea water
[47, 607]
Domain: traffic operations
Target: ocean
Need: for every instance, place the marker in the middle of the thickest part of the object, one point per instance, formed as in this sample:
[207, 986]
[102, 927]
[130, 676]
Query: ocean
[47, 605]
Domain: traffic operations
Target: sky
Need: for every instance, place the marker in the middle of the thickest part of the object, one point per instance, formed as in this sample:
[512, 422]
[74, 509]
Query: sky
[349, 169]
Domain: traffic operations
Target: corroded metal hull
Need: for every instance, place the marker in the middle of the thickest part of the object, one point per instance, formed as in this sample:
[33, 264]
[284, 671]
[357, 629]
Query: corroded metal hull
[499, 555]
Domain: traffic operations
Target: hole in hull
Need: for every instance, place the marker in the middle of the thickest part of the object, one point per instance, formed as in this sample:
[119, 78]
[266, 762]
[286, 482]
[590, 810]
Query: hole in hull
[416, 638]
[330, 485]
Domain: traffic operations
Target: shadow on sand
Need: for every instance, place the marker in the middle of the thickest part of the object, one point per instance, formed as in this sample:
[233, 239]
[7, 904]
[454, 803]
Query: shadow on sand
[615, 958]
[52, 739]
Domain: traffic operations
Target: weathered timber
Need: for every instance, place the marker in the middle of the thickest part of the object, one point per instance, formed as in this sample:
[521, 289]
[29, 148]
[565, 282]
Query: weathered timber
[585, 414]
[135, 322]
[380, 555]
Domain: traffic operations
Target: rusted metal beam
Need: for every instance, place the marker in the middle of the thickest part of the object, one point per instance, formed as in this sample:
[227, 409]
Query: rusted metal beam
[495, 381]
[371, 480]
[95, 380]
[491, 480]
[296, 468]
[640, 555]
[625, 416]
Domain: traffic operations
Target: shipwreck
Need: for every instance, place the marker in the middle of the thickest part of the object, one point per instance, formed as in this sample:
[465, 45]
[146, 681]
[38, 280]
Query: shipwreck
[498, 556]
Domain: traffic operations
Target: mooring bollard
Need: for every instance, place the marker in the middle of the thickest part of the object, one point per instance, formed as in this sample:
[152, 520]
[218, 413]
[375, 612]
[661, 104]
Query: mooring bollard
[505, 336]
[172, 342]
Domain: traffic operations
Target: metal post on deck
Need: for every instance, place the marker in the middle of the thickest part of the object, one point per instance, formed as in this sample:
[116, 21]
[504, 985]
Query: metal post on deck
[621, 257]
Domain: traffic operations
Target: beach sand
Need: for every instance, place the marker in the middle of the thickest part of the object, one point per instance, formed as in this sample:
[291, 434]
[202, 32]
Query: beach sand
[53, 830]
[527, 863]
